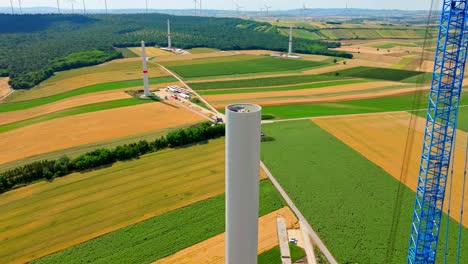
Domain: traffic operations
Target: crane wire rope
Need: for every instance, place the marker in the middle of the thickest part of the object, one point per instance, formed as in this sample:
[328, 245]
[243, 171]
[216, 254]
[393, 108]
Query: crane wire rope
[460, 223]
[411, 133]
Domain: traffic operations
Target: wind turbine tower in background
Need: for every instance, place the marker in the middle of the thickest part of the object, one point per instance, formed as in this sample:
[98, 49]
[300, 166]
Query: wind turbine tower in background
[200, 7]
[304, 11]
[267, 8]
[145, 70]
[12, 8]
[84, 7]
[238, 8]
[20, 6]
[105, 5]
[290, 41]
[169, 44]
[72, 2]
[196, 5]
[58, 6]
[146, 6]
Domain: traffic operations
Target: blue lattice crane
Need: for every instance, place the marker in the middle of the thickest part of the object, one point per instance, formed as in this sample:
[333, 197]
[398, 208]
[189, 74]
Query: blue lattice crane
[440, 130]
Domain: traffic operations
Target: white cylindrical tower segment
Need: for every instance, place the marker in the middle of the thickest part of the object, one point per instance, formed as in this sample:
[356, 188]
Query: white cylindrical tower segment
[169, 44]
[145, 69]
[290, 41]
[243, 134]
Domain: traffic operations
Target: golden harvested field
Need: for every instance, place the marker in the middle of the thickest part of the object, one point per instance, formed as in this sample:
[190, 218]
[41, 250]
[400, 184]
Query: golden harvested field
[46, 217]
[151, 51]
[382, 139]
[213, 250]
[114, 71]
[4, 87]
[10, 117]
[91, 127]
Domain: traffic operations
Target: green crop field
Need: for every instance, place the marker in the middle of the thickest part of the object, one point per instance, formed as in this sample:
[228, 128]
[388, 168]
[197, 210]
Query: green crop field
[8, 107]
[377, 73]
[258, 65]
[462, 117]
[273, 256]
[223, 59]
[382, 104]
[263, 82]
[74, 111]
[162, 235]
[49, 216]
[285, 88]
[389, 45]
[76, 151]
[360, 212]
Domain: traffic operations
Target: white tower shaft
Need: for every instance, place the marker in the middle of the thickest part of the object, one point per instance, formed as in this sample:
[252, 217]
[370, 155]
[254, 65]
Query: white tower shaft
[242, 182]
[169, 44]
[145, 69]
[290, 41]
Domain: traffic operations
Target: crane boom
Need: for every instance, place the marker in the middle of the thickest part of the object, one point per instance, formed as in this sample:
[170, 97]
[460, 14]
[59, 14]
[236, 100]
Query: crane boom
[441, 123]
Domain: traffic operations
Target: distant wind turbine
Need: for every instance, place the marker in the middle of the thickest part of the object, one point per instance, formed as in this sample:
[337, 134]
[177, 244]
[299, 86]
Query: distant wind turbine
[200, 7]
[196, 5]
[72, 2]
[105, 4]
[84, 7]
[20, 4]
[267, 8]
[58, 6]
[146, 3]
[12, 8]
[238, 8]
[304, 10]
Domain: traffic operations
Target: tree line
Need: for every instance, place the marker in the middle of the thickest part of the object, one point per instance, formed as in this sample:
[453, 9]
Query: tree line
[49, 169]
[33, 47]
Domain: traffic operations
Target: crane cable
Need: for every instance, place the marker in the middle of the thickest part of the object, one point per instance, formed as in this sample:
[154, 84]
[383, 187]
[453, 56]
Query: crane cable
[460, 223]
[450, 198]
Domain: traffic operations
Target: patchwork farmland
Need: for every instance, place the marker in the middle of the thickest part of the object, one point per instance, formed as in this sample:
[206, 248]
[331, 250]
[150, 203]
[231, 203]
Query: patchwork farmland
[349, 165]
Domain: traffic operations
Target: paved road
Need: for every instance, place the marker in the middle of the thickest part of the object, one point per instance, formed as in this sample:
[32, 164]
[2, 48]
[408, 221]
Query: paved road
[280, 189]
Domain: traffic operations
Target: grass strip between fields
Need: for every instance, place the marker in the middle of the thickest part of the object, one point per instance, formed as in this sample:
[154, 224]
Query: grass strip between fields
[285, 88]
[74, 111]
[162, 235]
[359, 211]
[8, 107]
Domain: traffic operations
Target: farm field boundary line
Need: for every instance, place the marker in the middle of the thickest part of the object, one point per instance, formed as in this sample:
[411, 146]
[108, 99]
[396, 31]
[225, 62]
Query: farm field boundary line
[162, 235]
[276, 184]
[74, 111]
[13, 106]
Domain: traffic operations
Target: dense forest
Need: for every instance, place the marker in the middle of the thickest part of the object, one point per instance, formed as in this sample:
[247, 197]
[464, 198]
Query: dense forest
[33, 47]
